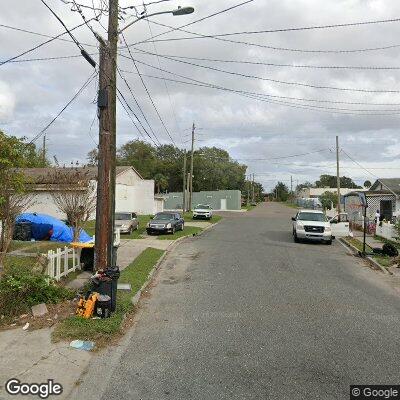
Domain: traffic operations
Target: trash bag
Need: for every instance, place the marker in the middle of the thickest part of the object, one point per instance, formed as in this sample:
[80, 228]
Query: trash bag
[390, 250]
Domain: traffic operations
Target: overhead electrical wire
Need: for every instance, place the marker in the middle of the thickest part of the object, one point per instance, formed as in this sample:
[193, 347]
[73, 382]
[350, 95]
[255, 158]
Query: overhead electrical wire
[140, 108]
[149, 95]
[172, 29]
[165, 82]
[81, 89]
[236, 41]
[263, 97]
[276, 80]
[357, 67]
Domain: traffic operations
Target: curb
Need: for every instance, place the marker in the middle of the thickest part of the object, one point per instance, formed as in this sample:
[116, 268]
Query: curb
[136, 298]
[370, 259]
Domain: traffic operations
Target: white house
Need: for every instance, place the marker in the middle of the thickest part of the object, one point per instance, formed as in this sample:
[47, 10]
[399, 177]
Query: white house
[313, 193]
[132, 192]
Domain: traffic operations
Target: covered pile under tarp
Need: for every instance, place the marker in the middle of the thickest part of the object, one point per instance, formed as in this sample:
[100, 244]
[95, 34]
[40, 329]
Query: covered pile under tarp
[45, 227]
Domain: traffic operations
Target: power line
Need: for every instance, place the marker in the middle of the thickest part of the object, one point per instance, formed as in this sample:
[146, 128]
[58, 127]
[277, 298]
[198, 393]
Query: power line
[357, 67]
[140, 108]
[273, 101]
[195, 82]
[276, 80]
[165, 82]
[39, 45]
[87, 82]
[203, 36]
[196, 21]
[148, 93]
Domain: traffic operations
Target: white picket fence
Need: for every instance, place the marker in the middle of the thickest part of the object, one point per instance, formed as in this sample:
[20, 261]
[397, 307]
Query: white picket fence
[61, 262]
[387, 231]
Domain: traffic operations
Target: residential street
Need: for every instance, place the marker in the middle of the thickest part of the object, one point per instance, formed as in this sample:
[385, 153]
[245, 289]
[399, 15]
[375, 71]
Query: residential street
[242, 312]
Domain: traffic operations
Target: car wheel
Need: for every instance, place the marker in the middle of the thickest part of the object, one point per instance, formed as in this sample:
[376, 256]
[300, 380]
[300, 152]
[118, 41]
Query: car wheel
[130, 231]
[173, 230]
[329, 242]
[296, 239]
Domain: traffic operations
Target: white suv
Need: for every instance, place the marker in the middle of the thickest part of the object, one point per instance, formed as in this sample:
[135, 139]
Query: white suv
[312, 225]
[202, 211]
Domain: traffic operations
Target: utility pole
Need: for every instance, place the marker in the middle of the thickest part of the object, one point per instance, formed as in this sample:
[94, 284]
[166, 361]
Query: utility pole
[248, 191]
[337, 174]
[291, 184]
[188, 208]
[191, 171]
[44, 151]
[252, 190]
[184, 184]
[105, 204]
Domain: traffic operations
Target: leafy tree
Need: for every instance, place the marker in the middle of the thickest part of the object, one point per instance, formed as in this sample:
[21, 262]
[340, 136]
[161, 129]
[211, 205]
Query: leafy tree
[140, 155]
[328, 199]
[281, 192]
[161, 182]
[304, 185]
[92, 158]
[14, 198]
[367, 184]
[331, 182]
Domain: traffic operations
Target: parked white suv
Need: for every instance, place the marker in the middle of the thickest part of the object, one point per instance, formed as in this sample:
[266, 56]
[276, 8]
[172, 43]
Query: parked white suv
[312, 225]
[202, 211]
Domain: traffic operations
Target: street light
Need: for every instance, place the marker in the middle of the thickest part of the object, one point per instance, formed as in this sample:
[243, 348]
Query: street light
[177, 12]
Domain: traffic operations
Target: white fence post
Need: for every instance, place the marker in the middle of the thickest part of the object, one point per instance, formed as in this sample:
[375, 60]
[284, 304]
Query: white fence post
[58, 262]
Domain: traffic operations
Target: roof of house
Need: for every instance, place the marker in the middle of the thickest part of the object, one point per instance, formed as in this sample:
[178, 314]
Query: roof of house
[391, 184]
[45, 175]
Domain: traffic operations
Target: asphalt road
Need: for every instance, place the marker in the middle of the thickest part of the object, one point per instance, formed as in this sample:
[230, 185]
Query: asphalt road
[242, 312]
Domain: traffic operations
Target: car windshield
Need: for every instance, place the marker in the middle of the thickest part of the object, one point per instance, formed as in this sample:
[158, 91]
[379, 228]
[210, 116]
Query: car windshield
[122, 216]
[204, 206]
[164, 216]
[308, 216]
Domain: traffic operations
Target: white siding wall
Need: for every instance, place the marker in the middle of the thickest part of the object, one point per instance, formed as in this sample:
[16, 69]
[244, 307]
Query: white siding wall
[132, 194]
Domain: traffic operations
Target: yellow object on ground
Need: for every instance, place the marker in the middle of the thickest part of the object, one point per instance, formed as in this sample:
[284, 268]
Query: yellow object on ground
[80, 245]
[86, 307]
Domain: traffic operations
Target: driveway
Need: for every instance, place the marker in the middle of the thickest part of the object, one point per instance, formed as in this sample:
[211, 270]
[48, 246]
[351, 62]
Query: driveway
[242, 312]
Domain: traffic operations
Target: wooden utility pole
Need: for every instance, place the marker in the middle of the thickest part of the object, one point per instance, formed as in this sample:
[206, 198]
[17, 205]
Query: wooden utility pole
[191, 171]
[291, 184]
[184, 183]
[337, 174]
[188, 208]
[44, 151]
[248, 191]
[105, 203]
[252, 190]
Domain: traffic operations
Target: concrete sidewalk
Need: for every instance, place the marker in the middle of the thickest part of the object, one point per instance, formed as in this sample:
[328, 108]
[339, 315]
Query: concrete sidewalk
[369, 240]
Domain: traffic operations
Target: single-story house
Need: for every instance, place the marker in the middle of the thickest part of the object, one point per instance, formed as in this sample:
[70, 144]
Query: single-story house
[132, 192]
[217, 199]
[383, 195]
[314, 193]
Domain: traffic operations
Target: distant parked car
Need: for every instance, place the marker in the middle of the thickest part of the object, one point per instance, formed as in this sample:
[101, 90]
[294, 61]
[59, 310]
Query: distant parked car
[127, 222]
[202, 211]
[166, 222]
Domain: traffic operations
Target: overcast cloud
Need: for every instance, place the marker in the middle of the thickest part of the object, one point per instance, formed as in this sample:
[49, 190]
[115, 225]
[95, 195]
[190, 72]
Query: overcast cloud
[32, 93]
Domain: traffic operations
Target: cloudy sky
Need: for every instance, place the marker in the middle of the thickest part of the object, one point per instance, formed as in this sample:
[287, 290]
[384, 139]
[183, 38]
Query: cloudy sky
[227, 84]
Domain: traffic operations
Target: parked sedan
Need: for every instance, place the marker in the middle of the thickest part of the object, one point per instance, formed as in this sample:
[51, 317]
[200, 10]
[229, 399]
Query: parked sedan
[126, 222]
[166, 222]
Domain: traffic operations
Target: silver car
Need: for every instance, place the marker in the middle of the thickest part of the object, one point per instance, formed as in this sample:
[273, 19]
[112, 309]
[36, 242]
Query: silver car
[126, 222]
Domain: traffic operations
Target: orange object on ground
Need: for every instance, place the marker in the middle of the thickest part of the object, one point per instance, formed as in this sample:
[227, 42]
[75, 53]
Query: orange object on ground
[86, 306]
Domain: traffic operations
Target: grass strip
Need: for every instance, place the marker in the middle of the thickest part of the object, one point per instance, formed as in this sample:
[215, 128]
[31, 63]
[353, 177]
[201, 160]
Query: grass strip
[103, 330]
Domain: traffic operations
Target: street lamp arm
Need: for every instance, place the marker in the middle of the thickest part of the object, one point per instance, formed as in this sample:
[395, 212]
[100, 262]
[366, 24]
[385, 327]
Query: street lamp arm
[143, 17]
[177, 12]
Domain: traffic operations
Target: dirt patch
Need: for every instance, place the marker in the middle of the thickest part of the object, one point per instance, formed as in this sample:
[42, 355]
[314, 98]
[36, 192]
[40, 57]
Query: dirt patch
[57, 312]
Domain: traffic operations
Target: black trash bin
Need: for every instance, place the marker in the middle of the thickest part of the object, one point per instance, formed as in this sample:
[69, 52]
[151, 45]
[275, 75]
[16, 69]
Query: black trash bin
[106, 283]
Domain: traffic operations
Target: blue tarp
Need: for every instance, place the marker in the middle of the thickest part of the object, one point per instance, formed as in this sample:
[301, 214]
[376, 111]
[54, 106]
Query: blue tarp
[61, 231]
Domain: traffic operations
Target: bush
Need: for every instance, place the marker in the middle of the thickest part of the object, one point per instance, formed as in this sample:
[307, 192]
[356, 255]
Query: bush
[22, 288]
[390, 250]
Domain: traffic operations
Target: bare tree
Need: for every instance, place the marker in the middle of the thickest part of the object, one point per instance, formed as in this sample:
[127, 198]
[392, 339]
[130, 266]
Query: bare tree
[74, 193]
